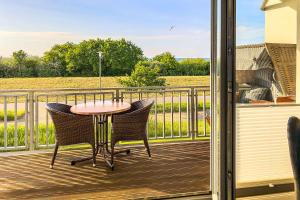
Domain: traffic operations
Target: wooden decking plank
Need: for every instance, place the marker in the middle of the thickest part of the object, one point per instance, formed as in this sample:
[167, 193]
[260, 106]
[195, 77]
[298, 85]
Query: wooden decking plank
[174, 168]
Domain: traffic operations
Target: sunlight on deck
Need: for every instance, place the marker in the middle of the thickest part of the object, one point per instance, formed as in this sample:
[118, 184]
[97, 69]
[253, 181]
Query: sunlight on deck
[174, 168]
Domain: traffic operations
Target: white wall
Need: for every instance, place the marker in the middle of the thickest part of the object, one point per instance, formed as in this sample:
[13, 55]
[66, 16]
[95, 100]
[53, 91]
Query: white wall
[281, 22]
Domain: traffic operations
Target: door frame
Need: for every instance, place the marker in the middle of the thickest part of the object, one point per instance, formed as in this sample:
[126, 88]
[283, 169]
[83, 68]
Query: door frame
[227, 100]
[225, 147]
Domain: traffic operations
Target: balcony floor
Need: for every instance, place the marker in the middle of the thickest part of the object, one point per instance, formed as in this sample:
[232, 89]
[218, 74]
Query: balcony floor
[174, 168]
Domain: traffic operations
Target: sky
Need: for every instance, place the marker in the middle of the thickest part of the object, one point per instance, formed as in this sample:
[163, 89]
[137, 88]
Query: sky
[181, 27]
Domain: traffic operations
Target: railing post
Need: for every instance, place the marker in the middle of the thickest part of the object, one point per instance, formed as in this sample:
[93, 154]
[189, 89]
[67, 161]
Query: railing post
[192, 113]
[31, 120]
[117, 95]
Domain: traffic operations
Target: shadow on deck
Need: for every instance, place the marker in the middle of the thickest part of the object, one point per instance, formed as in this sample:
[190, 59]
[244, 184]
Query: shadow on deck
[174, 168]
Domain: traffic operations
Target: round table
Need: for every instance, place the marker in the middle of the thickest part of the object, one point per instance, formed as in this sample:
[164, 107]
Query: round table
[100, 110]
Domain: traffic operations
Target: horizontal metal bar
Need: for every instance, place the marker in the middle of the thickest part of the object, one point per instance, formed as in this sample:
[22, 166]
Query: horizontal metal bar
[154, 91]
[13, 95]
[4, 149]
[67, 94]
[97, 89]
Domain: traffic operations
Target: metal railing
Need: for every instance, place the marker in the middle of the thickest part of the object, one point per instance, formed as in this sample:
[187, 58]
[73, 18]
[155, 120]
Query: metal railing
[178, 112]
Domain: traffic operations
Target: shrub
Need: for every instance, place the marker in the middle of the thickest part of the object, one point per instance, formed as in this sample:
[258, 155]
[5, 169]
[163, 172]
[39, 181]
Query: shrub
[11, 115]
[145, 73]
[193, 66]
[167, 63]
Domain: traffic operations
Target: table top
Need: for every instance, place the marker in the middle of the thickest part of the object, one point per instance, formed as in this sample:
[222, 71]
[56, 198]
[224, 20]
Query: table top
[100, 108]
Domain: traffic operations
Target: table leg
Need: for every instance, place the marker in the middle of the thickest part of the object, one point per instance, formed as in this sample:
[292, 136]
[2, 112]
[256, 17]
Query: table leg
[102, 143]
[108, 151]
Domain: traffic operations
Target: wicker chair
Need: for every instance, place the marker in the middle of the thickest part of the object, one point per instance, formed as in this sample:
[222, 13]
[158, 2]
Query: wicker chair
[71, 129]
[131, 125]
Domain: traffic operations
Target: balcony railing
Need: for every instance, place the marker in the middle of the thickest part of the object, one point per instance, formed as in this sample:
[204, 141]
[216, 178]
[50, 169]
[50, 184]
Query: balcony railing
[179, 113]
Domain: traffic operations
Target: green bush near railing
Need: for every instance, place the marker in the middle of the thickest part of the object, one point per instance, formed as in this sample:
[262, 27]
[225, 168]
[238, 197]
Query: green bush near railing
[42, 135]
[11, 115]
[11, 133]
[183, 107]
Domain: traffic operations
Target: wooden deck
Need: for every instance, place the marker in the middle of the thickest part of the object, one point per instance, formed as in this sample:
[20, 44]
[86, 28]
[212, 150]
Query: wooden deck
[279, 196]
[174, 168]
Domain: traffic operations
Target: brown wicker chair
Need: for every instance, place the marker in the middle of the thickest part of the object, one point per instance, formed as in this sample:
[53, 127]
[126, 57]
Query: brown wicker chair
[71, 129]
[131, 125]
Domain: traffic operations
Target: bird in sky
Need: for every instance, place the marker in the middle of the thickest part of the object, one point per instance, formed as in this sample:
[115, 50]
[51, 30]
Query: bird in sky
[171, 28]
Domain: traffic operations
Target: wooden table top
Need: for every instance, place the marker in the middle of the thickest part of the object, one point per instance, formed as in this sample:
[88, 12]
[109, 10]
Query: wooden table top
[100, 108]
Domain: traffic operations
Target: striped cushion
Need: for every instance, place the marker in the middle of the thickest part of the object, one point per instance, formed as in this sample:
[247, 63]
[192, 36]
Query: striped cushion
[255, 94]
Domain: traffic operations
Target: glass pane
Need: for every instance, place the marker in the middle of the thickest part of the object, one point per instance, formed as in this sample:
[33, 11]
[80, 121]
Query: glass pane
[101, 50]
[266, 95]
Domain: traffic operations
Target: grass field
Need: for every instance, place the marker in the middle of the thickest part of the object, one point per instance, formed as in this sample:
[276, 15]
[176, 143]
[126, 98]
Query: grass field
[51, 138]
[11, 114]
[90, 82]
[160, 108]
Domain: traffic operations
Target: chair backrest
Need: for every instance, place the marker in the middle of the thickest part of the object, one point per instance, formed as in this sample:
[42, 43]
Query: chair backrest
[293, 132]
[58, 108]
[141, 105]
[141, 109]
[139, 112]
[70, 128]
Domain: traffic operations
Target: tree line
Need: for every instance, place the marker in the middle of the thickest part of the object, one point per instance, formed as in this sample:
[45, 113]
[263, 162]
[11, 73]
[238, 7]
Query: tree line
[119, 58]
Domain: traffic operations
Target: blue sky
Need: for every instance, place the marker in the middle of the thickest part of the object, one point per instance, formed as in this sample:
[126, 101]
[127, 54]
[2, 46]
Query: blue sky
[36, 25]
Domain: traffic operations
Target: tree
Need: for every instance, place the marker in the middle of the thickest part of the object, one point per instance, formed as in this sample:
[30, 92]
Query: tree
[83, 59]
[145, 73]
[120, 56]
[56, 57]
[168, 63]
[19, 58]
[31, 65]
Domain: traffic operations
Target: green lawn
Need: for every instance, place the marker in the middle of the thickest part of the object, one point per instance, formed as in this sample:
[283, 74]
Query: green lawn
[51, 139]
[183, 106]
[11, 114]
[90, 82]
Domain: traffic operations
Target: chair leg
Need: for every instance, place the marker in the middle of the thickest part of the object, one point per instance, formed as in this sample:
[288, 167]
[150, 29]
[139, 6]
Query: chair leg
[54, 156]
[147, 146]
[94, 155]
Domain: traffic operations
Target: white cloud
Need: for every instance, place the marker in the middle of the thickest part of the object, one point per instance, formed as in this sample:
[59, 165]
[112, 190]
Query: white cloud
[36, 34]
[35, 43]
[249, 35]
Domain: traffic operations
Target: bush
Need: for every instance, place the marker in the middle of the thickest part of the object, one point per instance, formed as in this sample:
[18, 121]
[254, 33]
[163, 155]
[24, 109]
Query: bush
[193, 66]
[183, 107]
[169, 66]
[11, 115]
[7, 71]
[145, 73]
[167, 63]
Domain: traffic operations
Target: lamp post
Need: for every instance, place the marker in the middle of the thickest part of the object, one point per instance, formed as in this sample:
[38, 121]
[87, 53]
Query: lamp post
[100, 68]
